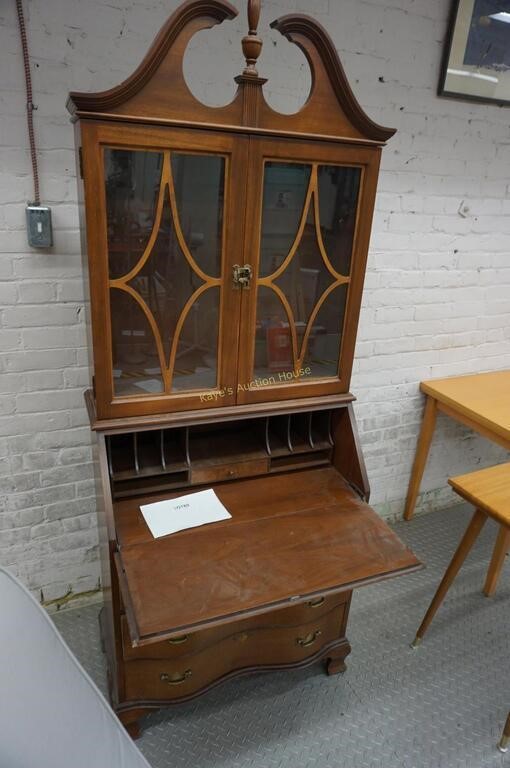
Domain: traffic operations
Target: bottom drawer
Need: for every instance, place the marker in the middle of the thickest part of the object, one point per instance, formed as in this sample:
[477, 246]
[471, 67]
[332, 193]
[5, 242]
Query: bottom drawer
[168, 679]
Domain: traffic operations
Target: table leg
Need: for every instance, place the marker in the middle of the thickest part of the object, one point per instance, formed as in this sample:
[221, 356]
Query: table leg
[467, 541]
[422, 452]
[505, 738]
[498, 558]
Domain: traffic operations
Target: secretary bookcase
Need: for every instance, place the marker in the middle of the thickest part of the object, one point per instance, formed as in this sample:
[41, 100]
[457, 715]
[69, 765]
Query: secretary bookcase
[225, 251]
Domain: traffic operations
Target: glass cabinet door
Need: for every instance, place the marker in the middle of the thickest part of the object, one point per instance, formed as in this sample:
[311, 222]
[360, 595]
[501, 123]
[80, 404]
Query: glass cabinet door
[171, 319]
[305, 254]
[165, 229]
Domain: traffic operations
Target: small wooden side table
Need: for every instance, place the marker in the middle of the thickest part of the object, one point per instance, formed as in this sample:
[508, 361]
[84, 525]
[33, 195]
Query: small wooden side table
[488, 490]
[480, 401]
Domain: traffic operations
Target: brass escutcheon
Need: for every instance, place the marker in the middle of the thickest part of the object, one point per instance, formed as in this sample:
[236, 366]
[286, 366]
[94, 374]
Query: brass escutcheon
[242, 276]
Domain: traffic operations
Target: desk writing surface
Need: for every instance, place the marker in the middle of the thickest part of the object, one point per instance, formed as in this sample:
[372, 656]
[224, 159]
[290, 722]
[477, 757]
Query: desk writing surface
[252, 498]
[483, 397]
[252, 564]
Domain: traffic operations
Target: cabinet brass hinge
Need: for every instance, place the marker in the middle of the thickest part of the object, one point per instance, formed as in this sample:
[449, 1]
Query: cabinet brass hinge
[242, 276]
[80, 162]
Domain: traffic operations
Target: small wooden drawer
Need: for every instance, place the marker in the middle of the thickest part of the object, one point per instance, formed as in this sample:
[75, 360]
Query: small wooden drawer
[217, 472]
[168, 679]
[174, 648]
[310, 610]
[192, 643]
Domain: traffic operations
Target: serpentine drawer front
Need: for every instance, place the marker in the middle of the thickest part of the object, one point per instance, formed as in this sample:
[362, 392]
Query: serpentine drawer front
[193, 642]
[243, 649]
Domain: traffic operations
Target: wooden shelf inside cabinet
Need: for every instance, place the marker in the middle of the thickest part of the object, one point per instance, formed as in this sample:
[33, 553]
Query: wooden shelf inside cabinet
[147, 454]
[300, 439]
[166, 459]
[157, 459]
[221, 443]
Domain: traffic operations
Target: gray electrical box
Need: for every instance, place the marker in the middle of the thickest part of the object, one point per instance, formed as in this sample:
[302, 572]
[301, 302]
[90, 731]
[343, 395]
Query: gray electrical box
[39, 226]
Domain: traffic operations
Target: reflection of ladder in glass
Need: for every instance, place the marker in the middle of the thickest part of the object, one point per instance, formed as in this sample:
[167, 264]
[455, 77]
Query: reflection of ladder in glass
[307, 284]
[194, 345]
[159, 297]
[195, 241]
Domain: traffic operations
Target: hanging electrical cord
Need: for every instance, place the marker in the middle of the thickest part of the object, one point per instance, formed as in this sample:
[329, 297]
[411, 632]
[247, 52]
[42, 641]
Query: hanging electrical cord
[30, 103]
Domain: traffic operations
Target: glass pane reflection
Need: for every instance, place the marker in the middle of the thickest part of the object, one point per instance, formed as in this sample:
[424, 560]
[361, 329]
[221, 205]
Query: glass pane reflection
[273, 344]
[136, 367]
[196, 359]
[321, 258]
[306, 277]
[199, 182]
[338, 205]
[323, 348]
[132, 186]
[166, 280]
[285, 188]
[190, 201]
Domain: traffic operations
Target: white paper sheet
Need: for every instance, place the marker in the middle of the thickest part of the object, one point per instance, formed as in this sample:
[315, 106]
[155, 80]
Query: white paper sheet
[189, 511]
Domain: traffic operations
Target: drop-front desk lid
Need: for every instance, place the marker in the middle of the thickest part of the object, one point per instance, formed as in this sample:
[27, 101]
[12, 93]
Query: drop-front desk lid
[292, 536]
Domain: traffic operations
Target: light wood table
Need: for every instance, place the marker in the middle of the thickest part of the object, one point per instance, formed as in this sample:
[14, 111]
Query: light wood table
[489, 492]
[480, 401]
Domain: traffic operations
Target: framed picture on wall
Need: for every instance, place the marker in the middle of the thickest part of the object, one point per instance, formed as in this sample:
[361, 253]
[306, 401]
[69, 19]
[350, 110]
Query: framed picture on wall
[476, 64]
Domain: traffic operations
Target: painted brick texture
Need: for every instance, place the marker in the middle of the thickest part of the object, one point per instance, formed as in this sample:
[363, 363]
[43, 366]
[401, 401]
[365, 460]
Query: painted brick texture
[437, 298]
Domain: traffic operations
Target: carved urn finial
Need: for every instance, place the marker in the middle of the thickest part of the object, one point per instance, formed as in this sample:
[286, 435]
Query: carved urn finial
[252, 43]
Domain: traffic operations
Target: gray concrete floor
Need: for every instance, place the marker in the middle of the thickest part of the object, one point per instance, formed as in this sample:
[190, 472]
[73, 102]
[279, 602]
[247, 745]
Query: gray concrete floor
[442, 705]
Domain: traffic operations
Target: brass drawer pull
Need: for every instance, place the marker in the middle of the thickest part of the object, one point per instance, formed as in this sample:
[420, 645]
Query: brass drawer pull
[178, 640]
[310, 639]
[317, 602]
[175, 680]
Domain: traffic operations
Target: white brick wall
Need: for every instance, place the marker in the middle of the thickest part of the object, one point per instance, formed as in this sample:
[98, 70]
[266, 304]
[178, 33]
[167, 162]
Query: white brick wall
[437, 299]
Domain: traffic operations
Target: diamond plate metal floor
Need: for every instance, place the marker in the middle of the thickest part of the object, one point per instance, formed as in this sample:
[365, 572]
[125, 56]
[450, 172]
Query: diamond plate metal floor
[442, 705]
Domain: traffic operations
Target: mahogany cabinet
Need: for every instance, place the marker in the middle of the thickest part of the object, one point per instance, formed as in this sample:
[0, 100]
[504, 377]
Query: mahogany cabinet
[225, 250]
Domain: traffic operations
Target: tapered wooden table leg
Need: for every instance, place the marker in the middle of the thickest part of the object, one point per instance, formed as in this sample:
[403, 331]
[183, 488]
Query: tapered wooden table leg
[422, 452]
[467, 541]
[498, 558]
[505, 738]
